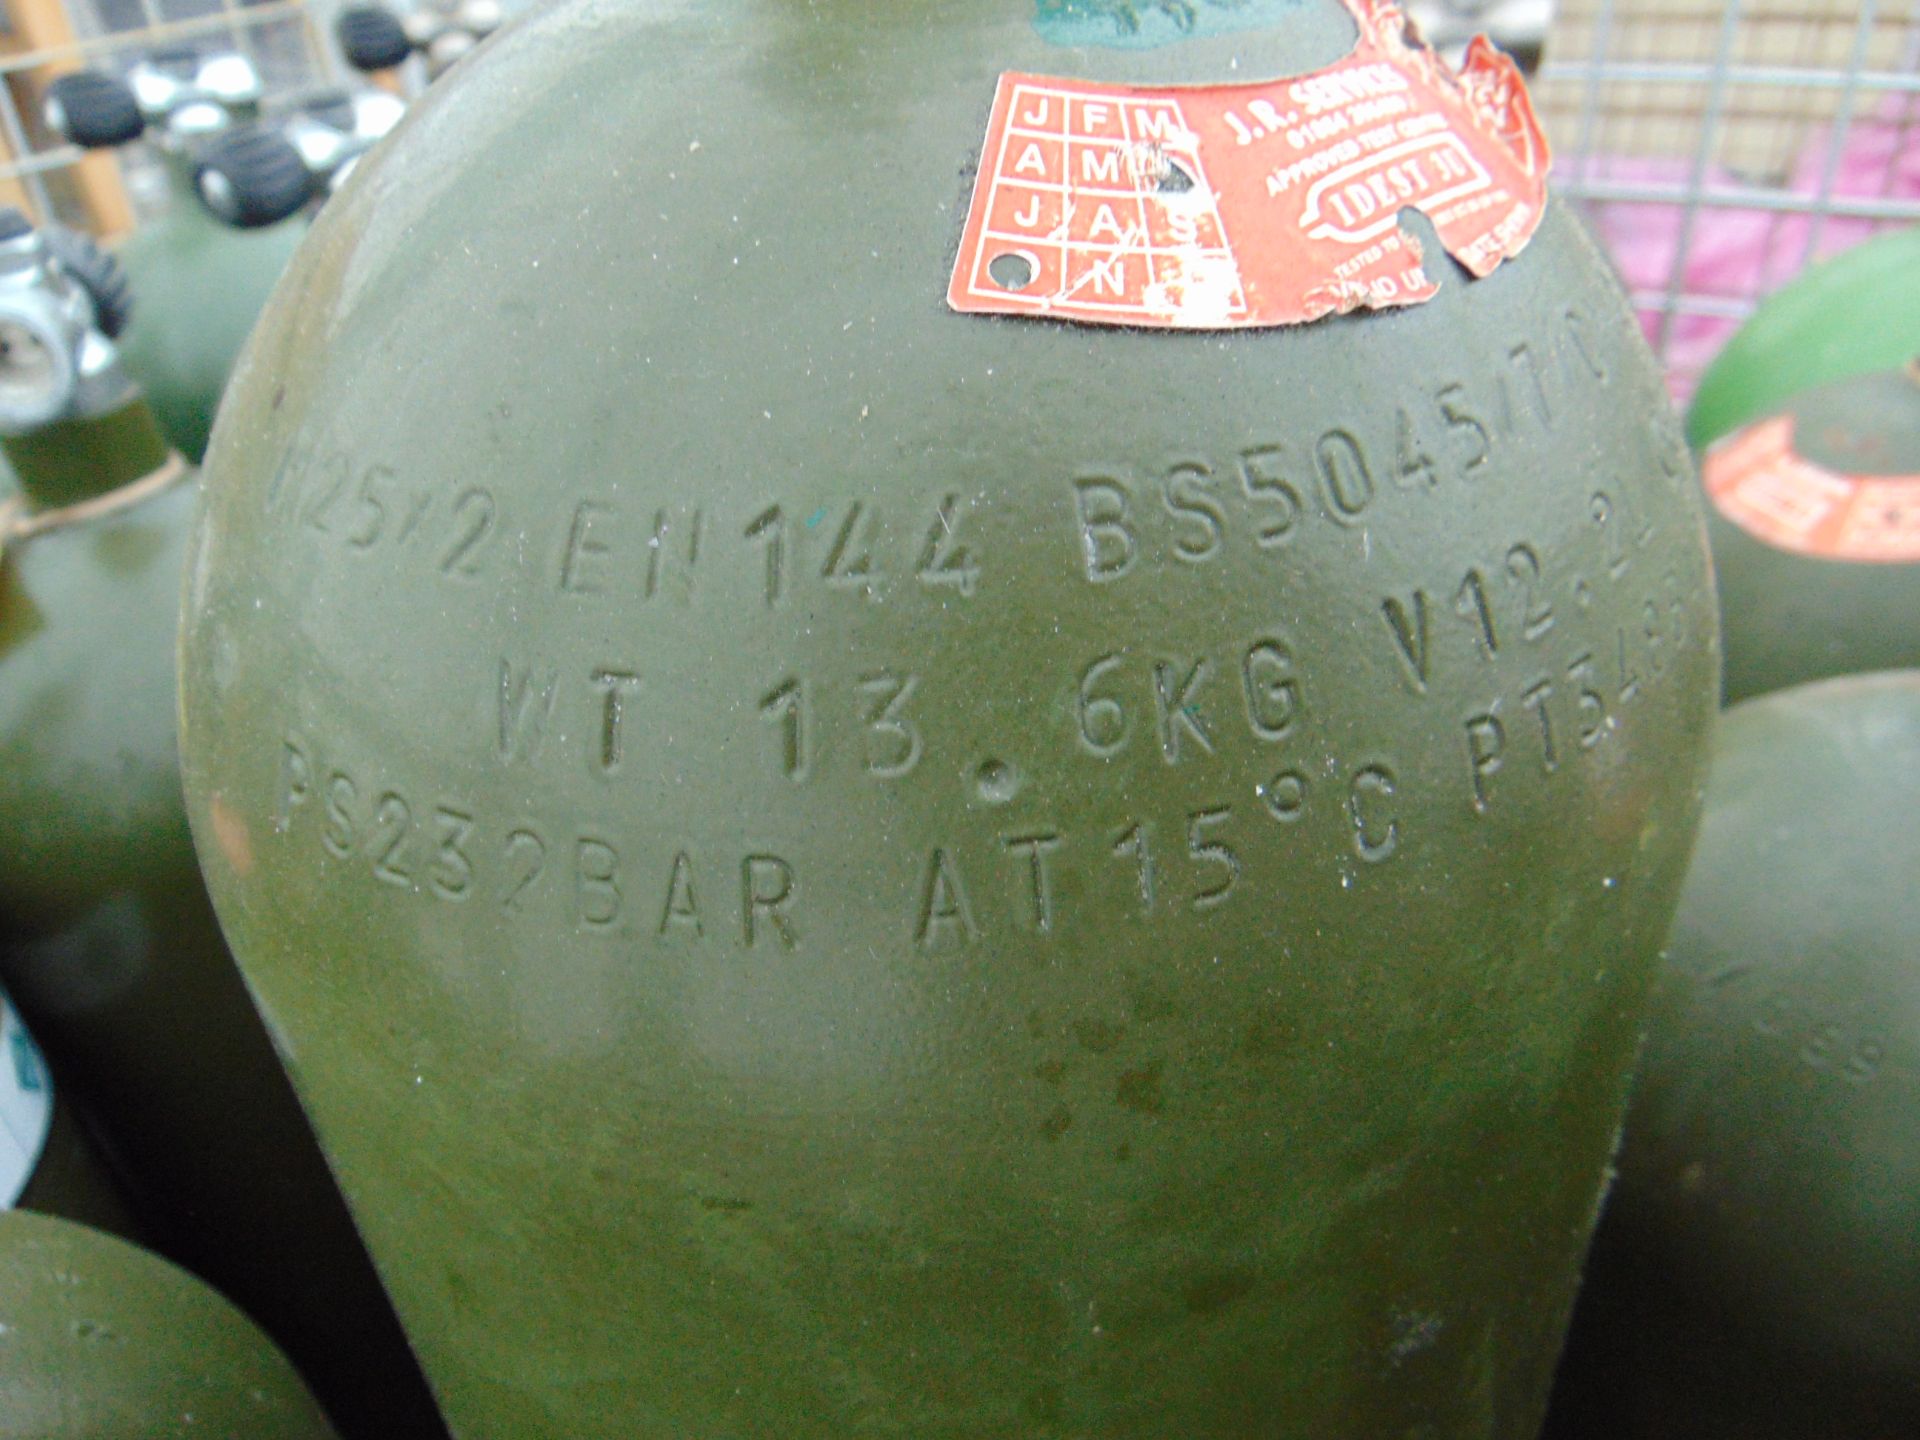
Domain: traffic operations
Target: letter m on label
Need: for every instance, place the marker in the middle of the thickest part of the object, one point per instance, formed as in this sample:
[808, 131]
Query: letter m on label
[1153, 122]
[1100, 165]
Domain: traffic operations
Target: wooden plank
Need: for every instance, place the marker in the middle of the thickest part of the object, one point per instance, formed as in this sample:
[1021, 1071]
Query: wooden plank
[42, 25]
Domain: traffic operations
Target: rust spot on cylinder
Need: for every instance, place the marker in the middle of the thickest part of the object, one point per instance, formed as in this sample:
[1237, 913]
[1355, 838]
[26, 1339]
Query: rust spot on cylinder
[230, 833]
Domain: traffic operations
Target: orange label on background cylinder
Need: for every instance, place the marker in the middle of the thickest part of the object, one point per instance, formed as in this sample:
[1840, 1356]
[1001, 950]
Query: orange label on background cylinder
[1236, 206]
[1762, 484]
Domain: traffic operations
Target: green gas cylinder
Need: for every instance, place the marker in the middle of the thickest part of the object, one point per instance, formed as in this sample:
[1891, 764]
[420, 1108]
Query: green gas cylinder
[204, 266]
[1816, 534]
[1758, 1269]
[201, 284]
[201, 281]
[1854, 313]
[99, 1339]
[106, 1339]
[239, 202]
[110, 947]
[374, 38]
[831, 866]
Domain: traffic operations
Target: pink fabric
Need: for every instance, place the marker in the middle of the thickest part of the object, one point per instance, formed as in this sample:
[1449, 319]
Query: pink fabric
[1739, 254]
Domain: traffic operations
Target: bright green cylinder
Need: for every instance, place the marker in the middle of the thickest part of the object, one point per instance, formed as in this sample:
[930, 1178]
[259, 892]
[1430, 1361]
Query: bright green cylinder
[198, 286]
[833, 868]
[1852, 314]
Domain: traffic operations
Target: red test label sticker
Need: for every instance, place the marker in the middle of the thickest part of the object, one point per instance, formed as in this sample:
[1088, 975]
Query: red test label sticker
[1759, 481]
[1239, 206]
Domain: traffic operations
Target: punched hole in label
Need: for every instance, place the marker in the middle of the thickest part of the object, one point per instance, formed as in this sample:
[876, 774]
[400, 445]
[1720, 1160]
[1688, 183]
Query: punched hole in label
[1013, 269]
[1173, 180]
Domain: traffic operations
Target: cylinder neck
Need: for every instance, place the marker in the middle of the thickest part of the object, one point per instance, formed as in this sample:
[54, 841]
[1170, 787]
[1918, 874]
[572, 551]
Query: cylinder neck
[74, 460]
[185, 209]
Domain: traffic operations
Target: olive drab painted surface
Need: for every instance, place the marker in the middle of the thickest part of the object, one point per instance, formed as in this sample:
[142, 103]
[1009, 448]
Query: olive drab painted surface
[1758, 1268]
[105, 1339]
[110, 947]
[198, 287]
[835, 868]
[1847, 600]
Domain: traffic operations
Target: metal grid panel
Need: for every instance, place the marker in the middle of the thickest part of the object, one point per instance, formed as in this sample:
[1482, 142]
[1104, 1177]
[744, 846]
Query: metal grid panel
[1720, 145]
[41, 169]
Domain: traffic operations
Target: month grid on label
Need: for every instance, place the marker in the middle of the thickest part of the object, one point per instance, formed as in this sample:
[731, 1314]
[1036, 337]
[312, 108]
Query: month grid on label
[1080, 193]
[1760, 482]
[1885, 520]
[1797, 497]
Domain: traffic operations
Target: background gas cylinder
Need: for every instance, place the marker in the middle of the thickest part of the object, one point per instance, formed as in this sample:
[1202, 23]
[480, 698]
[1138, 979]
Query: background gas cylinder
[1815, 524]
[201, 281]
[265, 172]
[236, 178]
[102, 1339]
[1850, 315]
[374, 38]
[831, 867]
[1758, 1268]
[111, 950]
[105, 1339]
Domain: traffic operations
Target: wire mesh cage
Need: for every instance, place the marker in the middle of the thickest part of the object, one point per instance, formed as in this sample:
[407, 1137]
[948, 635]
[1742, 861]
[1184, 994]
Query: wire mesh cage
[43, 39]
[1720, 146]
